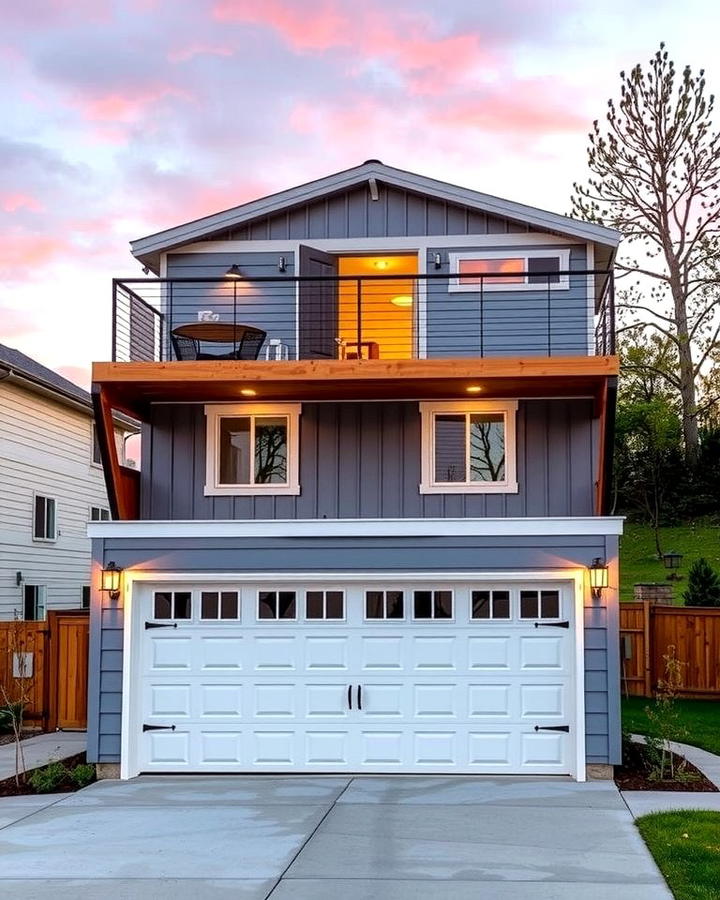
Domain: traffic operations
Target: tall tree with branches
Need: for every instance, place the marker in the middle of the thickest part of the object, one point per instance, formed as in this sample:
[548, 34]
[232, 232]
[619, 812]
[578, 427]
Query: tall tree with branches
[655, 176]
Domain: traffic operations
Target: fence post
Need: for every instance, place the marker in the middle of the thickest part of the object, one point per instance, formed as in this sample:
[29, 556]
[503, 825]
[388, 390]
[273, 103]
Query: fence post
[647, 637]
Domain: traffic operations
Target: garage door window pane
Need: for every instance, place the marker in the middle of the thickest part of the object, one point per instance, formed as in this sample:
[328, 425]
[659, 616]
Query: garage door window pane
[549, 604]
[314, 604]
[209, 605]
[229, 605]
[334, 605]
[529, 604]
[491, 604]
[181, 606]
[276, 604]
[432, 604]
[384, 605]
[481, 604]
[442, 604]
[163, 605]
[501, 604]
[286, 605]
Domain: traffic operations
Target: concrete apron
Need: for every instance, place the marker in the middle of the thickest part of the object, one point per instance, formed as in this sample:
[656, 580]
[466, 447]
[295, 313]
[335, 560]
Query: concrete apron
[321, 838]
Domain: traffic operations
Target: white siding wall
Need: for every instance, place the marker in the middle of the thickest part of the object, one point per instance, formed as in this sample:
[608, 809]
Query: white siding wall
[45, 448]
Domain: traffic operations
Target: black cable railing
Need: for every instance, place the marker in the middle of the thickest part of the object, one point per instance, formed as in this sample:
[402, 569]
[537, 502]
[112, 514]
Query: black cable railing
[559, 313]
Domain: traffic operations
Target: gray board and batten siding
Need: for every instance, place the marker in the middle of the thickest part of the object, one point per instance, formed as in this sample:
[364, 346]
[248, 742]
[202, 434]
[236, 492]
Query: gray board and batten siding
[246, 556]
[362, 460]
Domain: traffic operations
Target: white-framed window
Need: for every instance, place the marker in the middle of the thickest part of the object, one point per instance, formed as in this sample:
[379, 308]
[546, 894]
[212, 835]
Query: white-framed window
[252, 449]
[384, 604]
[277, 605]
[99, 514]
[469, 447]
[172, 605]
[44, 518]
[509, 270]
[432, 604]
[327, 605]
[216, 605]
[34, 602]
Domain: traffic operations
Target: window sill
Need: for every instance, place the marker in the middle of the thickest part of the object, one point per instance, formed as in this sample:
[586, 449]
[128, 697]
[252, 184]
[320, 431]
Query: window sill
[254, 490]
[455, 288]
[489, 488]
[39, 540]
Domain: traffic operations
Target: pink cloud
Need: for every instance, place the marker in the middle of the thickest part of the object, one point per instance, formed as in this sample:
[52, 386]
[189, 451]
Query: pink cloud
[12, 202]
[190, 51]
[15, 323]
[20, 252]
[79, 375]
[311, 26]
[116, 107]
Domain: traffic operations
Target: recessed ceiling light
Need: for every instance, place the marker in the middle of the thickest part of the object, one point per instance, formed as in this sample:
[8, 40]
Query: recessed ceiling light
[473, 389]
[381, 264]
[248, 392]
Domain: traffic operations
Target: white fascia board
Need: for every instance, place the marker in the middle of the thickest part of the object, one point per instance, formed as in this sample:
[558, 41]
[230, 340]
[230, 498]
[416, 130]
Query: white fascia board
[296, 528]
[237, 215]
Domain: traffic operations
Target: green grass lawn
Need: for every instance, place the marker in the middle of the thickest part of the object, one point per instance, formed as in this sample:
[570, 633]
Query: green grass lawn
[686, 847]
[639, 562]
[701, 718]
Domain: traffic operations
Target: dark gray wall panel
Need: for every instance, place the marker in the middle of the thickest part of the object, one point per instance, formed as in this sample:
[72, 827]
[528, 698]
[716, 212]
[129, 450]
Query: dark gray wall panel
[362, 460]
[352, 213]
[352, 555]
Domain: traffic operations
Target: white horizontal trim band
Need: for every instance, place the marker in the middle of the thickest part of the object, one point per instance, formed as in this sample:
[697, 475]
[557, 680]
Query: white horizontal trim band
[202, 528]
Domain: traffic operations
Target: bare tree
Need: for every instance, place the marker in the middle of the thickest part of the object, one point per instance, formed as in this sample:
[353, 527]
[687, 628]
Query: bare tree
[655, 168]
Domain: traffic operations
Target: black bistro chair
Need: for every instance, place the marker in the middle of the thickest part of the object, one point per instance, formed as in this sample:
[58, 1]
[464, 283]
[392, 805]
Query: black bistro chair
[188, 339]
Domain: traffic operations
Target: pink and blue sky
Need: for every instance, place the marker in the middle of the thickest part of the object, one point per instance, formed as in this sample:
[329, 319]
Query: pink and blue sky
[123, 118]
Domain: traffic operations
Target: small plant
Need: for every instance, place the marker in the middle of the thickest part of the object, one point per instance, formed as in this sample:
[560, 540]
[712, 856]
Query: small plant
[664, 718]
[82, 775]
[48, 778]
[10, 717]
[703, 585]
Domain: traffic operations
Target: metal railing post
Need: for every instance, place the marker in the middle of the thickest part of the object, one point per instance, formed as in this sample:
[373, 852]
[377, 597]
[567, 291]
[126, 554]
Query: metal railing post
[549, 314]
[482, 316]
[359, 318]
[611, 299]
[114, 321]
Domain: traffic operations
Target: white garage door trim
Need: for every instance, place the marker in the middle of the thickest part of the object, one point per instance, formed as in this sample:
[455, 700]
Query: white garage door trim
[133, 580]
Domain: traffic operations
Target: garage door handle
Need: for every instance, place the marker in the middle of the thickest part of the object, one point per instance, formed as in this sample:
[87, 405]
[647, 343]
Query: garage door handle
[349, 696]
[359, 696]
[158, 728]
[552, 624]
[565, 728]
[160, 625]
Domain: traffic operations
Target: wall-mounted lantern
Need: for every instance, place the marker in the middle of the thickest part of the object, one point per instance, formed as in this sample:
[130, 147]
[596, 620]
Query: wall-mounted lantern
[598, 577]
[233, 272]
[111, 580]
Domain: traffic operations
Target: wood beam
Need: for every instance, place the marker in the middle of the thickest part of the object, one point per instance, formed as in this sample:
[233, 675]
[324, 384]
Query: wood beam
[122, 483]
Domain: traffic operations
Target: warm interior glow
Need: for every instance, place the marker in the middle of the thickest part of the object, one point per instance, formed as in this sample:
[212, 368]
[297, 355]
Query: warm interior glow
[473, 389]
[387, 327]
[248, 392]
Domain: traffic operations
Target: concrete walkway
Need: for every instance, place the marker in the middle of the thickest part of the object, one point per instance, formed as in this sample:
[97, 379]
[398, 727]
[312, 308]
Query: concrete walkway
[42, 749]
[315, 838]
[642, 802]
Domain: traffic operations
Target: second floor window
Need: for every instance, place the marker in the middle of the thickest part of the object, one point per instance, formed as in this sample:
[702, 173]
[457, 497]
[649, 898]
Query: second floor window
[521, 270]
[44, 519]
[252, 449]
[468, 448]
[34, 602]
[99, 514]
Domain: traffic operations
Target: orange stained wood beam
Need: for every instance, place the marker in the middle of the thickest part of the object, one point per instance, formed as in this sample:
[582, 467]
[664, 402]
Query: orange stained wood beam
[122, 483]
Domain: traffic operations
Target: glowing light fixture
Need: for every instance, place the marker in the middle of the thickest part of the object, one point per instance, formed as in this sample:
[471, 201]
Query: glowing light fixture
[598, 577]
[233, 272]
[381, 264]
[672, 562]
[404, 300]
[110, 581]
[248, 392]
[473, 389]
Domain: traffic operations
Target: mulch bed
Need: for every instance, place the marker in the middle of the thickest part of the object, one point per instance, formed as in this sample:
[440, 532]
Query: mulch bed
[632, 774]
[8, 788]
[10, 738]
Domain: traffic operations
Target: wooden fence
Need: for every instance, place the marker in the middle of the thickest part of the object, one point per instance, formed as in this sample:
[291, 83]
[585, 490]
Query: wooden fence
[647, 630]
[47, 663]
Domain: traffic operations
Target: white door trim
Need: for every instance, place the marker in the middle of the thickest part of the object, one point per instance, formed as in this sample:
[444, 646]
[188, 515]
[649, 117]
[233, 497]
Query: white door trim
[131, 706]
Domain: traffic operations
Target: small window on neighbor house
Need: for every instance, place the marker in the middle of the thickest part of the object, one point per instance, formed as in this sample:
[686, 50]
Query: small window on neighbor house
[521, 270]
[276, 604]
[99, 514]
[491, 604]
[252, 450]
[34, 602]
[468, 447]
[384, 605]
[96, 456]
[85, 597]
[219, 605]
[44, 519]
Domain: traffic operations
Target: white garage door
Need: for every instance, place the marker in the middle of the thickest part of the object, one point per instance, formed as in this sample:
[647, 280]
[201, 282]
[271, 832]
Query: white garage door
[392, 677]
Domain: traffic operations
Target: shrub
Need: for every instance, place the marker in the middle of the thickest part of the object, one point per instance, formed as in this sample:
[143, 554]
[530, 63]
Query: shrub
[703, 585]
[10, 715]
[83, 774]
[48, 778]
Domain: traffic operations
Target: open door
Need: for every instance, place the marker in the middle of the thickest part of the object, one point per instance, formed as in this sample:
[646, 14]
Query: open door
[318, 305]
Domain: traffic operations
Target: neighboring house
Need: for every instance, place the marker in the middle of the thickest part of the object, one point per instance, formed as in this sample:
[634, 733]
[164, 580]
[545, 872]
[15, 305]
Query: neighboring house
[51, 486]
[372, 548]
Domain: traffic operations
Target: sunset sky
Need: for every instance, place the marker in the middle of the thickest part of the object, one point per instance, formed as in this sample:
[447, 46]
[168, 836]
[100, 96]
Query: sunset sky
[123, 118]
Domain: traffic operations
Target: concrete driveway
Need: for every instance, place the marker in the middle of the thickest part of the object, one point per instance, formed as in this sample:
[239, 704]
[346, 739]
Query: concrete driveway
[322, 838]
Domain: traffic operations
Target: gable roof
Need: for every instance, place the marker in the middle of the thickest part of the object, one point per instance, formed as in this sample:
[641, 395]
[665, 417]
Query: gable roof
[146, 249]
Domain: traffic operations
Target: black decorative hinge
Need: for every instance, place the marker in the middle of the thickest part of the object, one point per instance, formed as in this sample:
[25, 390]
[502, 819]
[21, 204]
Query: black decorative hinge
[160, 625]
[565, 728]
[552, 624]
[158, 728]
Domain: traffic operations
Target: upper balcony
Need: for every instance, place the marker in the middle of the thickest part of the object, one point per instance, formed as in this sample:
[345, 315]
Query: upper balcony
[275, 318]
